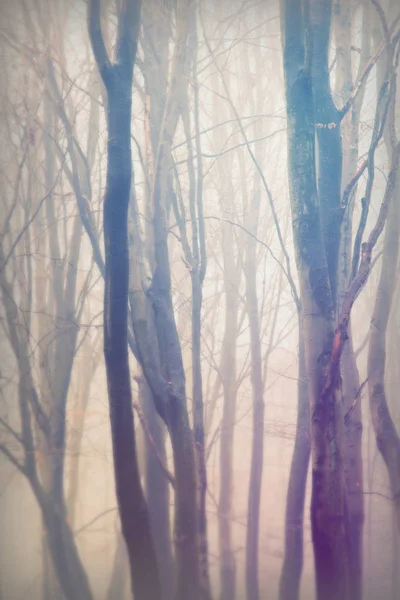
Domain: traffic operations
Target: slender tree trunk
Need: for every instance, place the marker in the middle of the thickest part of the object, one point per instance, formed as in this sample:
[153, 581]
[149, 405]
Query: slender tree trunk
[353, 470]
[157, 492]
[118, 79]
[198, 423]
[89, 367]
[295, 501]
[257, 452]
[120, 571]
[353, 465]
[228, 371]
[64, 554]
[387, 437]
[229, 385]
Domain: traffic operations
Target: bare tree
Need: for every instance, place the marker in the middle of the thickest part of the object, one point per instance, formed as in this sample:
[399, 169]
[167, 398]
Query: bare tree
[387, 437]
[117, 79]
[317, 207]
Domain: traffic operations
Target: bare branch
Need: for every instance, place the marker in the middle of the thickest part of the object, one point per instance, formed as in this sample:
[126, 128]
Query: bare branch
[362, 275]
[12, 459]
[33, 217]
[363, 77]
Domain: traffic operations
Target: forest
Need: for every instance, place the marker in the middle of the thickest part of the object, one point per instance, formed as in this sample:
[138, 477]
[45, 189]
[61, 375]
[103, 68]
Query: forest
[199, 300]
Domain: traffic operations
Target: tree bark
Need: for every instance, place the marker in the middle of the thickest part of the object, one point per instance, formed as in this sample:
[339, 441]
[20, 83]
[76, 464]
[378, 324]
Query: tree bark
[316, 267]
[118, 79]
[294, 517]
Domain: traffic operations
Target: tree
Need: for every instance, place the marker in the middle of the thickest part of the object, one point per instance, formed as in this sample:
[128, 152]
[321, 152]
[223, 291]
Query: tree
[387, 437]
[317, 210]
[117, 79]
[58, 300]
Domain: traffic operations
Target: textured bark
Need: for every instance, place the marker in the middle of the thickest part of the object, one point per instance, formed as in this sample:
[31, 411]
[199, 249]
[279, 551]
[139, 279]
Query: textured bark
[118, 78]
[316, 266]
[294, 517]
[329, 141]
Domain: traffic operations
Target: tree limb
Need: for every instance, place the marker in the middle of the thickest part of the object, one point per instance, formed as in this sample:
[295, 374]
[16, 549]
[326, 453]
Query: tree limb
[97, 41]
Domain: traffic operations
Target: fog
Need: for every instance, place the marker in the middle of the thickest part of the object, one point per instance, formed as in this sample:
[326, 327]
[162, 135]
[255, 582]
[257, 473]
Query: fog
[200, 226]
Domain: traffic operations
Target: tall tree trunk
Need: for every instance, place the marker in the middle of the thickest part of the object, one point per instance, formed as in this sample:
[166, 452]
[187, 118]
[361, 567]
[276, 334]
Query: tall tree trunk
[90, 362]
[228, 366]
[58, 353]
[120, 571]
[353, 466]
[316, 267]
[157, 491]
[118, 78]
[197, 273]
[67, 563]
[229, 385]
[387, 437]
[353, 469]
[257, 452]
[198, 424]
[386, 434]
[294, 517]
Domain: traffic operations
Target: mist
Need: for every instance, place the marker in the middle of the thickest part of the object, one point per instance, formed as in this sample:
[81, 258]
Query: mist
[200, 300]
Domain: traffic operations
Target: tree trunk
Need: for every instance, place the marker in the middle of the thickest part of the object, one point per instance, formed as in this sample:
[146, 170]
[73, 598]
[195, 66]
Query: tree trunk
[316, 267]
[90, 362]
[64, 554]
[118, 78]
[157, 492]
[198, 425]
[353, 470]
[387, 437]
[257, 451]
[119, 573]
[229, 385]
[353, 466]
[294, 516]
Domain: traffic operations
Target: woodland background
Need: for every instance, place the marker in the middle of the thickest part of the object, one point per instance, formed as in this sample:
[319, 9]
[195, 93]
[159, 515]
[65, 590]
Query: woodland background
[214, 328]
